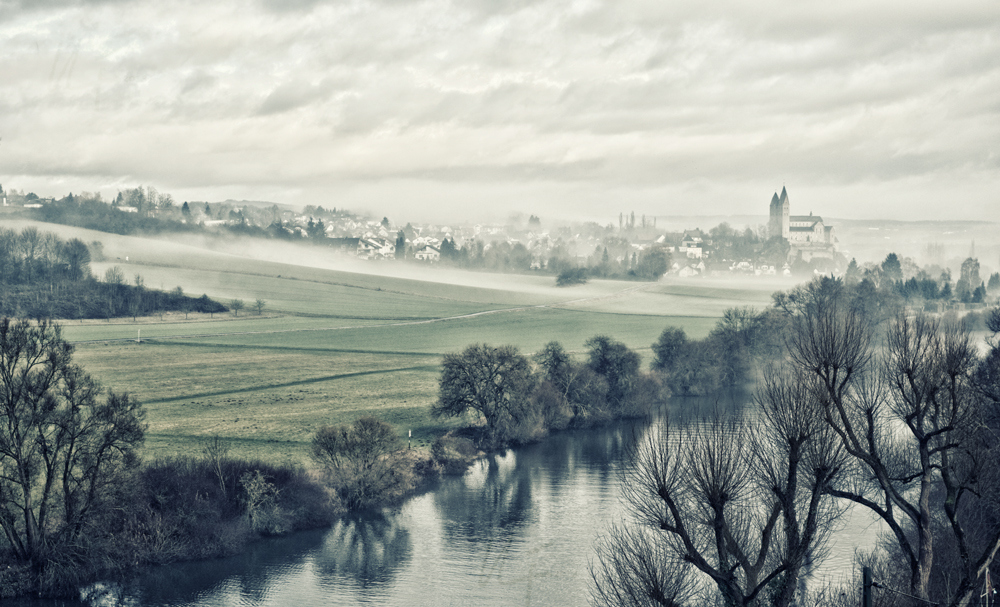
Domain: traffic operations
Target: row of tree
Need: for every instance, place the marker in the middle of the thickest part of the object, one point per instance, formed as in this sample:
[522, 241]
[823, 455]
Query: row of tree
[906, 280]
[44, 276]
[501, 256]
[518, 400]
[33, 257]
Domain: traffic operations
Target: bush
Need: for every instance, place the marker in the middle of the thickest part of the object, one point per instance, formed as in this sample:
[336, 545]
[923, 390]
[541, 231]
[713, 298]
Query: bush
[571, 276]
[362, 462]
[454, 453]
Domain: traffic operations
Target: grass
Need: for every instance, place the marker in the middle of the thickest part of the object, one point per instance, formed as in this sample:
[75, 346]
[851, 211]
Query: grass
[342, 338]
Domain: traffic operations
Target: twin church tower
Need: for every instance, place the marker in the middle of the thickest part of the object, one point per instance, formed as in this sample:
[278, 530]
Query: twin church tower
[805, 233]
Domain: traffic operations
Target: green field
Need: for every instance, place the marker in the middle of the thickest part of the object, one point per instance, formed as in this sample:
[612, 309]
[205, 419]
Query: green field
[341, 338]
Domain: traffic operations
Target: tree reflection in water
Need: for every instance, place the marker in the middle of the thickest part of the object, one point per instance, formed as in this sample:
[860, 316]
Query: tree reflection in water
[250, 574]
[492, 503]
[365, 550]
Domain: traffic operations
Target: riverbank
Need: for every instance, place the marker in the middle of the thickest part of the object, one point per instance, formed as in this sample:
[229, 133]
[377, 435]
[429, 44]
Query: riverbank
[185, 509]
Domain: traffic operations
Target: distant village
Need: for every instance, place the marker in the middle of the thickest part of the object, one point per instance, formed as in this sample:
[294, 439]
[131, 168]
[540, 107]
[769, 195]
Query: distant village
[787, 244]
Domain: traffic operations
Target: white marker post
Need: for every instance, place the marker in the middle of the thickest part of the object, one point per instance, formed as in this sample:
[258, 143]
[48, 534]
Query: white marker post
[409, 440]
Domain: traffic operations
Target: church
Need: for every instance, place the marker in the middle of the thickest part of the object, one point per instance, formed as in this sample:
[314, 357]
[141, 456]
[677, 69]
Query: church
[805, 233]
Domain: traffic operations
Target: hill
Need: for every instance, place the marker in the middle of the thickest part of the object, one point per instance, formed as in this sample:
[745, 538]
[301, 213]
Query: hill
[334, 343]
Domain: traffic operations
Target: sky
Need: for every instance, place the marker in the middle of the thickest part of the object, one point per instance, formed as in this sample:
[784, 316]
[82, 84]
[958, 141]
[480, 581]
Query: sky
[444, 109]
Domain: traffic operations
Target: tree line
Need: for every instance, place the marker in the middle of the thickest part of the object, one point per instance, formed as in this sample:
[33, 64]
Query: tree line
[501, 256]
[44, 276]
[519, 399]
[915, 285]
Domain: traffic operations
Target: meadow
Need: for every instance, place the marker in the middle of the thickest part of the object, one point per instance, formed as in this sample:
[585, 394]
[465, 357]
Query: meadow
[339, 338]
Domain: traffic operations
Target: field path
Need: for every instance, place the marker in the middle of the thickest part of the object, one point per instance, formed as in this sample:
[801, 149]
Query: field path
[290, 384]
[556, 305]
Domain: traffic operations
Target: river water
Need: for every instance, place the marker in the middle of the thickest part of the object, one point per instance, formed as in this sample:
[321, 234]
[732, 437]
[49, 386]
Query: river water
[517, 529]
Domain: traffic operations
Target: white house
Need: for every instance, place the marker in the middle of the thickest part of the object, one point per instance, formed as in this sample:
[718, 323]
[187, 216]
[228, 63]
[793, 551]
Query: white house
[428, 253]
[375, 248]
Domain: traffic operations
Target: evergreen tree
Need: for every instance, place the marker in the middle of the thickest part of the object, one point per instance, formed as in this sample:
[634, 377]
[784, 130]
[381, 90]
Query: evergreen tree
[853, 273]
[892, 270]
[400, 245]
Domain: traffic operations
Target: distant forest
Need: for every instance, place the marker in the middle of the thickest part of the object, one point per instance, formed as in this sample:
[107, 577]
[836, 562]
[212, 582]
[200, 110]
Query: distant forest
[43, 276]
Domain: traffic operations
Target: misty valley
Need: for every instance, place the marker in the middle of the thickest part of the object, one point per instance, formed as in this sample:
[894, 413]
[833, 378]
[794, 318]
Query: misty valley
[211, 418]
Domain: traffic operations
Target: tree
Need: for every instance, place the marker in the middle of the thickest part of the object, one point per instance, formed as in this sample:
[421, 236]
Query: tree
[556, 364]
[186, 210]
[653, 263]
[892, 270]
[668, 348]
[619, 366]
[994, 284]
[236, 305]
[633, 569]
[400, 245]
[853, 273]
[571, 276]
[135, 301]
[744, 504]
[495, 382]
[361, 457]
[63, 442]
[448, 249]
[922, 383]
[30, 245]
[77, 258]
[114, 278]
[259, 305]
[970, 272]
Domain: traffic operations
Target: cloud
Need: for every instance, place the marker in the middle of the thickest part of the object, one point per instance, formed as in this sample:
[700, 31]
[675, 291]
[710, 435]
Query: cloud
[534, 97]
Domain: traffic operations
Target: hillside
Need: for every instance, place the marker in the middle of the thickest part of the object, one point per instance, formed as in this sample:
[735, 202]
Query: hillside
[334, 343]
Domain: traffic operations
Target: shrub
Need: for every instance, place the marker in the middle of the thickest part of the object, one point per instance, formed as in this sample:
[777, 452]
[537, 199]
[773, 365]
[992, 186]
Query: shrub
[361, 461]
[454, 453]
[571, 276]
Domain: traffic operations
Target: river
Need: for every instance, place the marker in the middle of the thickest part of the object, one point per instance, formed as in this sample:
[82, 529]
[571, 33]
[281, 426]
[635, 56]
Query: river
[517, 529]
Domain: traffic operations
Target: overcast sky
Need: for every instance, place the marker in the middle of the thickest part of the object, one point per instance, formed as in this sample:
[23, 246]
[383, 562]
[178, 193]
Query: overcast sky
[423, 109]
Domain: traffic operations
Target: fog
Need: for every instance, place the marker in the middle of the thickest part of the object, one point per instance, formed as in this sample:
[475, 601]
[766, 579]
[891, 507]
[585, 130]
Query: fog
[944, 244]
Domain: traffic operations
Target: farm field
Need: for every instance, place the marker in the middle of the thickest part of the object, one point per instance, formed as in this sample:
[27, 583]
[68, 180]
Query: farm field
[335, 343]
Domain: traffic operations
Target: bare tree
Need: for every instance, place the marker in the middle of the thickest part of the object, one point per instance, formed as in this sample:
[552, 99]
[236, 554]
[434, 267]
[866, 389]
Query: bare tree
[30, 245]
[61, 444]
[259, 305]
[77, 258]
[361, 458]
[742, 501]
[635, 569]
[114, 278]
[909, 420]
[494, 381]
[236, 305]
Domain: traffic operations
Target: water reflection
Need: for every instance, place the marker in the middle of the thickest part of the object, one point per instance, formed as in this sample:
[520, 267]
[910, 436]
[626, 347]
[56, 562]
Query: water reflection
[518, 529]
[364, 551]
[247, 578]
[493, 501]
